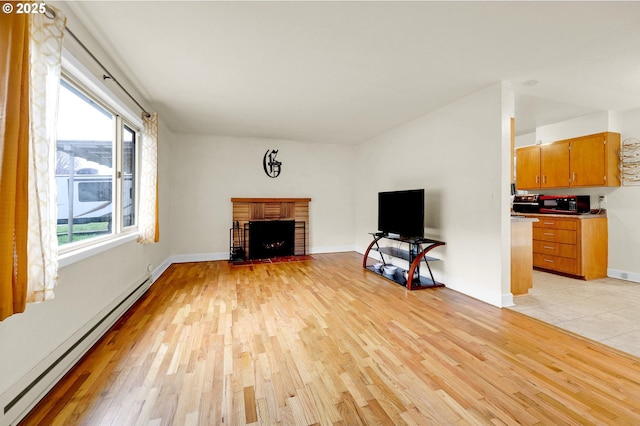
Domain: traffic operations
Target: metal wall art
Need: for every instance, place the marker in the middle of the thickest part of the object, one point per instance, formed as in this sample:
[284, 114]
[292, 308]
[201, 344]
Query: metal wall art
[271, 166]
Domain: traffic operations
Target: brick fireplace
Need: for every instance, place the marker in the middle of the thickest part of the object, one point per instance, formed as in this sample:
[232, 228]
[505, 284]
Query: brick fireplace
[266, 218]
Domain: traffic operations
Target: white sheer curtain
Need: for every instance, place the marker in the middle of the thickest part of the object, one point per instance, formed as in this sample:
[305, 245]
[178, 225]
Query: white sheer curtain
[46, 32]
[148, 226]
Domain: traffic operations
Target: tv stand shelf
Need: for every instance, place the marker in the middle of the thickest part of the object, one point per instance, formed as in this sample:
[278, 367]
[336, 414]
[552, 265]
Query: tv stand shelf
[415, 254]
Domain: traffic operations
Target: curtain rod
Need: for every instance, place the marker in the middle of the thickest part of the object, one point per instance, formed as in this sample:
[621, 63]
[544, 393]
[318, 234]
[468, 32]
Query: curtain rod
[52, 14]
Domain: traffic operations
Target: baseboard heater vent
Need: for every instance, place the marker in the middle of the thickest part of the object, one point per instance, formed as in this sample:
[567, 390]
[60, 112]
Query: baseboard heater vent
[81, 346]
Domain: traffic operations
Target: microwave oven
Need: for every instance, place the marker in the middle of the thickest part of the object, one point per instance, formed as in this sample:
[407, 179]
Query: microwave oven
[565, 204]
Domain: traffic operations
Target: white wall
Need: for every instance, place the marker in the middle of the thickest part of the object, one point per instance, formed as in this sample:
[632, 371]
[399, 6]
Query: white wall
[597, 122]
[586, 125]
[526, 139]
[207, 171]
[623, 210]
[459, 155]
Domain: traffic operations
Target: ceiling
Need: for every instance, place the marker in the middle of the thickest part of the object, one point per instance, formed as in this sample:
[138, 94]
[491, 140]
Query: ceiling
[343, 72]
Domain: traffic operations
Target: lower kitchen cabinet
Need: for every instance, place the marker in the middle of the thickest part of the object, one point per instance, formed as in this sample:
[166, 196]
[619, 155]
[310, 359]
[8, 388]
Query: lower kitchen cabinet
[575, 245]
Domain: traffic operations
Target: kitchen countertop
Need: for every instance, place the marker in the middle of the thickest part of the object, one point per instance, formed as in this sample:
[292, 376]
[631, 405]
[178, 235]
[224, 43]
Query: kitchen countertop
[522, 218]
[569, 216]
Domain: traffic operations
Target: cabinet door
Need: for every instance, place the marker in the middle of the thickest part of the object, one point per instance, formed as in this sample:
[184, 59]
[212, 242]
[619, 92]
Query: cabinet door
[587, 161]
[554, 165]
[528, 167]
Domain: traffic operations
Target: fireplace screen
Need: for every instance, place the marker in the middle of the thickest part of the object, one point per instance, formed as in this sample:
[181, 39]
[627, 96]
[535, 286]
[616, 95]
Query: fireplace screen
[271, 238]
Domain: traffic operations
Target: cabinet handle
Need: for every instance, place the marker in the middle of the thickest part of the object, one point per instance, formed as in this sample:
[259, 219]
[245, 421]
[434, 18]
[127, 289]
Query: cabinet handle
[537, 179]
[549, 247]
[548, 223]
[549, 260]
[551, 234]
[544, 179]
[574, 176]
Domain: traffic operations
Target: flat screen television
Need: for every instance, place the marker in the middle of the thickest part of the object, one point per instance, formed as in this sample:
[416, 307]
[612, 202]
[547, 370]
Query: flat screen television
[401, 212]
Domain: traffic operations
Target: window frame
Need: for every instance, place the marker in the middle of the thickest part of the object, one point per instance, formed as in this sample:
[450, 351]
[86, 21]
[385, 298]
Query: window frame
[76, 75]
[125, 124]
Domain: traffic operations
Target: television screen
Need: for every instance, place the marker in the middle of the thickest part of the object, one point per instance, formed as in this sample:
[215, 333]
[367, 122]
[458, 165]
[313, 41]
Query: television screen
[401, 212]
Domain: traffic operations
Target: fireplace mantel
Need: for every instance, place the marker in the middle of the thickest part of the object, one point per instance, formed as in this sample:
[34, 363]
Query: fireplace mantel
[247, 210]
[270, 200]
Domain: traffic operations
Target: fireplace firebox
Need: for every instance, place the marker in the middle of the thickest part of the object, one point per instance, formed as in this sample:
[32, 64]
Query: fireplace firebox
[271, 238]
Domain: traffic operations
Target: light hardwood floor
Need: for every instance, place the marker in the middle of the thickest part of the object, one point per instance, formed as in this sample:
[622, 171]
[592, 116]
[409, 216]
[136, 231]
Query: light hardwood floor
[322, 341]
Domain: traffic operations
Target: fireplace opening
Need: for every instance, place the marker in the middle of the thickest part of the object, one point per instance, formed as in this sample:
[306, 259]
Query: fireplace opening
[271, 238]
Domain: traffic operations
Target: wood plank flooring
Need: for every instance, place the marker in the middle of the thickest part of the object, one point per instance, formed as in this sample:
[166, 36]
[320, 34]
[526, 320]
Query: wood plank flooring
[322, 341]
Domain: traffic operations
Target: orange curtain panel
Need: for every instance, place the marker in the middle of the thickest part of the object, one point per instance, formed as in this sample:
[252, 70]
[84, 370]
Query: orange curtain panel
[14, 144]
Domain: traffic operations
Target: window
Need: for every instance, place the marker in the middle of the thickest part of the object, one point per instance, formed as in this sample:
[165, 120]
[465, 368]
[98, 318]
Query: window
[95, 168]
[129, 177]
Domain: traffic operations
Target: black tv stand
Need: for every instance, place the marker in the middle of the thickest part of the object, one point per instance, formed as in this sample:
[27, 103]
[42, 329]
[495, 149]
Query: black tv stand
[415, 255]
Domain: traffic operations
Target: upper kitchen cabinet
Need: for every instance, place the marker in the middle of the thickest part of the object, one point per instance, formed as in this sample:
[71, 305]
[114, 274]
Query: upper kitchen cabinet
[554, 165]
[594, 160]
[578, 162]
[528, 167]
[542, 166]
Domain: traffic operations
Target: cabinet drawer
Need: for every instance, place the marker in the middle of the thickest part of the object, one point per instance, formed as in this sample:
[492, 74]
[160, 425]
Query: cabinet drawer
[552, 222]
[560, 264]
[555, 249]
[555, 235]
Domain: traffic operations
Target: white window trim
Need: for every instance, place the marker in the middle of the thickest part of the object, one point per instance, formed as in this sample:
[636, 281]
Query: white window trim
[71, 65]
[70, 254]
[120, 169]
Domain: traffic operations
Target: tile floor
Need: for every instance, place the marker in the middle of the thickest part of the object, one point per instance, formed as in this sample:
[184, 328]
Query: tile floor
[606, 310]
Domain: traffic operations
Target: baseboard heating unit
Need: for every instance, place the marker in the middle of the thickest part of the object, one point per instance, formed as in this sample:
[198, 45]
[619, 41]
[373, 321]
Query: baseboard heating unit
[26, 394]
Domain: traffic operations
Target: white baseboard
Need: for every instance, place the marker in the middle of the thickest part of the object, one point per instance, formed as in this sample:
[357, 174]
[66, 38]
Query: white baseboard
[20, 398]
[624, 275]
[331, 249]
[208, 257]
[199, 257]
[155, 274]
[507, 300]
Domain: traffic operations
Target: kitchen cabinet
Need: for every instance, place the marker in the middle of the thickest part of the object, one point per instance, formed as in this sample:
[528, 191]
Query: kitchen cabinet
[554, 165]
[575, 246]
[594, 160]
[585, 161]
[528, 167]
[542, 166]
